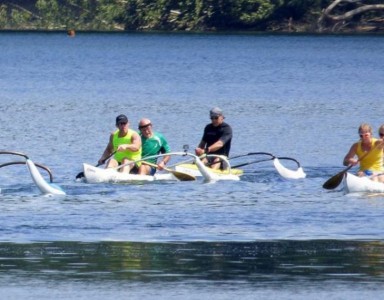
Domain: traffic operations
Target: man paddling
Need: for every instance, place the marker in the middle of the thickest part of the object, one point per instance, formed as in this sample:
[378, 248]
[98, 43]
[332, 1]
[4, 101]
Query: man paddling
[369, 152]
[127, 145]
[153, 143]
[216, 139]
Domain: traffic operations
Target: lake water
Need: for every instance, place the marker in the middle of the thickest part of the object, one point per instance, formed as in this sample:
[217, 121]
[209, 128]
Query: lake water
[263, 237]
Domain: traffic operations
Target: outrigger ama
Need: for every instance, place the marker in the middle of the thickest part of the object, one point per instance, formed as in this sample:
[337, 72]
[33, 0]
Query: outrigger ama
[44, 187]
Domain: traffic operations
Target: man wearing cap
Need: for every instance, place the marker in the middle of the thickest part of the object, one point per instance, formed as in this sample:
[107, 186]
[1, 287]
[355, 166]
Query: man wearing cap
[216, 139]
[126, 143]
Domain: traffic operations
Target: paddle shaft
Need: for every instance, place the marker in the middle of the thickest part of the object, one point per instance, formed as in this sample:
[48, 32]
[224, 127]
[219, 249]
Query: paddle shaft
[179, 175]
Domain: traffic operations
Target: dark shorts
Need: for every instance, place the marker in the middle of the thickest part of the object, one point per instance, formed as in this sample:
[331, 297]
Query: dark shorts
[153, 171]
[211, 161]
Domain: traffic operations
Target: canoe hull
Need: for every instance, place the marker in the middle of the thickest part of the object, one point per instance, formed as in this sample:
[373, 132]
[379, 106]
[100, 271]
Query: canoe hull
[98, 175]
[355, 184]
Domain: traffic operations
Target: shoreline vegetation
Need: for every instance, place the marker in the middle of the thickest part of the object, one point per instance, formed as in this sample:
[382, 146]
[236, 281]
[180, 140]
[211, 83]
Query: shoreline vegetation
[195, 16]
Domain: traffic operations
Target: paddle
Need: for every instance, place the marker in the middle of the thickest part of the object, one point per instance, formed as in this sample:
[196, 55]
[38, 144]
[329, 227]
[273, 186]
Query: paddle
[335, 180]
[179, 175]
[81, 174]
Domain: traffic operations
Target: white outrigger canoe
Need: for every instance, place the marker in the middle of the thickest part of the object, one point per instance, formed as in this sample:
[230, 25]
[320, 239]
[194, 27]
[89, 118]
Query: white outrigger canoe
[193, 167]
[112, 175]
[355, 184]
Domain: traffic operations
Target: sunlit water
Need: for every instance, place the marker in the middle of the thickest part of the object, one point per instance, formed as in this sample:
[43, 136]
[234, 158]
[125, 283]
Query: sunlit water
[265, 237]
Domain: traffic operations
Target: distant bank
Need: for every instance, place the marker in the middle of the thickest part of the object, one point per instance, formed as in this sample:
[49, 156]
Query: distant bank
[294, 16]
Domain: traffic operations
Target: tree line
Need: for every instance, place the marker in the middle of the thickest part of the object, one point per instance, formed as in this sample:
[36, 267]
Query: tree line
[194, 15]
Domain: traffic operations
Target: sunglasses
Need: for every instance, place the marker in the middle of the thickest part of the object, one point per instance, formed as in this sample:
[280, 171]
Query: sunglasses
[122, 123]
[381, 134]
[214, 118]
[364, 133]
[144, 126]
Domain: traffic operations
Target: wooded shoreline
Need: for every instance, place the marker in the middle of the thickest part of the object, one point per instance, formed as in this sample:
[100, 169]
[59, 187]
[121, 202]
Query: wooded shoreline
[270, 16]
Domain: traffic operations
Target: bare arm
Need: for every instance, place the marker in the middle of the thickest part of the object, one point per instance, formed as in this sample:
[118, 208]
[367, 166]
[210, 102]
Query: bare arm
[216, 146]
[350, 159]
[200, 148]
[134, 146]
[107, 152]
[380, 143]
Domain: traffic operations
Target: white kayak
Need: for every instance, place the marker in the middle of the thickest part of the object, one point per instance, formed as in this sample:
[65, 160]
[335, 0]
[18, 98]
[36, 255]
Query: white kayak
[355, 184]
[98, 175]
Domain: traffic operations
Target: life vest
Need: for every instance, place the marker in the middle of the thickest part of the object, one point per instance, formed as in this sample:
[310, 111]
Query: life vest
[127, 139]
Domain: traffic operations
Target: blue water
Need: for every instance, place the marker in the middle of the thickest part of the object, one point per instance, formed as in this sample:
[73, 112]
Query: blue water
[267, 237]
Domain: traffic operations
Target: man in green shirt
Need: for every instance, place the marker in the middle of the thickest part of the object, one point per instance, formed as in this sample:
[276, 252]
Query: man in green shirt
[153, 143]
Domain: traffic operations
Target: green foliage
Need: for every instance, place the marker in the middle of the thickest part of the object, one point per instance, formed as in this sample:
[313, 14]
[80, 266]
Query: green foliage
[50, 10]
[3, 16]
[255, 11]
[167, 15]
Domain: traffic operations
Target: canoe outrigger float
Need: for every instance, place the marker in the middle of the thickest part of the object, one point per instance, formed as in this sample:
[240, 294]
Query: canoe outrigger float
[193, 167]
[44, 187]
[355, 184]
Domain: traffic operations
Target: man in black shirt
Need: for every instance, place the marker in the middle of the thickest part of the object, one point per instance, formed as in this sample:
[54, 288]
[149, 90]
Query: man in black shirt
[216, 139]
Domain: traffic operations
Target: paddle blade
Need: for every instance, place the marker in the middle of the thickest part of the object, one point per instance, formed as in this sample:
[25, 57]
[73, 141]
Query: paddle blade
[182, 176]
[80, 175]
[334, 181]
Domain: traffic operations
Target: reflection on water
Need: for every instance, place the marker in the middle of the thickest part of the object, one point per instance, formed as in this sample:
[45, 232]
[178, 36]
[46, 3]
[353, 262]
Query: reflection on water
[266, 262]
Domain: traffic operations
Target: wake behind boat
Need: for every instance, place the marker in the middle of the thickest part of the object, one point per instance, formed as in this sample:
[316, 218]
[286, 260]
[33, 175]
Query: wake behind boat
[355, 184]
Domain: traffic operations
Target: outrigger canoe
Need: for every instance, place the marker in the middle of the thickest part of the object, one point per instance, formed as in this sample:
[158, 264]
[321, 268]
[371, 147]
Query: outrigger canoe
[355, 184]
[112, 175]
[196, 169]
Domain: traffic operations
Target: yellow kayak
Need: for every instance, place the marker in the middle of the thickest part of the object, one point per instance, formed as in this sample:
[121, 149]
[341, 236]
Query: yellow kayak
[193, 170]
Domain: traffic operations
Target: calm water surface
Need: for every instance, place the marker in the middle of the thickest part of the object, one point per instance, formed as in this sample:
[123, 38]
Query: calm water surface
[264, 237]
